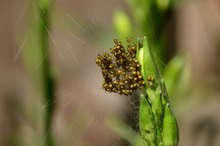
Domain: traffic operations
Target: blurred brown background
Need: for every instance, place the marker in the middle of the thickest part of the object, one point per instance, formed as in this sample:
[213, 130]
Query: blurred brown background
[80, 30]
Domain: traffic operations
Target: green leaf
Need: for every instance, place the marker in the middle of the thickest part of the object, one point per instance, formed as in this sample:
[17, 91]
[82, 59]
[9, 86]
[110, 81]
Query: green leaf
[170, 128]
[158, 111]
[122, 24]
[146, 121]
[44, 4]
[163, 5]
[145, 59]
[173, 72]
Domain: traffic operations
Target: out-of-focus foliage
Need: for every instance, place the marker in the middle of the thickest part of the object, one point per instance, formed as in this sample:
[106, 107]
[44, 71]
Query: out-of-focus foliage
[177, 76]
[122, 23]
[39, 45]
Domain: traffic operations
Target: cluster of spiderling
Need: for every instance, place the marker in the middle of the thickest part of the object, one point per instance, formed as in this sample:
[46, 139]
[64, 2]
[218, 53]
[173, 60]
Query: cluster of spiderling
[150, 81]
[121, 71]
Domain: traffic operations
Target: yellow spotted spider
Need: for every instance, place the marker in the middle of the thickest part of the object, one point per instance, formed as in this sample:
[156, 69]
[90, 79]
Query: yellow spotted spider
[121, 70]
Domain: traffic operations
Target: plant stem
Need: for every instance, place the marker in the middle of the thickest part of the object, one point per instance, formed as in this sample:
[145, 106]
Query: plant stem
[47, 79]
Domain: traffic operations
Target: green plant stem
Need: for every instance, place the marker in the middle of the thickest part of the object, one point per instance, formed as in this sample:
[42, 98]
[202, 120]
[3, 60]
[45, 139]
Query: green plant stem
[47, 79]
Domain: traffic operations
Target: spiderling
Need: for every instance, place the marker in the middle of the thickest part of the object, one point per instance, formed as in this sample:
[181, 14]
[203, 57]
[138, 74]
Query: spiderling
[120, 69]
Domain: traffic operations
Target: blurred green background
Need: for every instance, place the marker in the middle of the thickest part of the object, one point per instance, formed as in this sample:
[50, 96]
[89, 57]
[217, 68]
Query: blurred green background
[187, 37]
